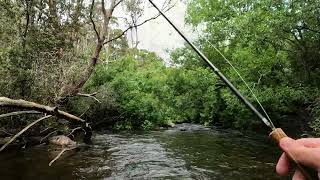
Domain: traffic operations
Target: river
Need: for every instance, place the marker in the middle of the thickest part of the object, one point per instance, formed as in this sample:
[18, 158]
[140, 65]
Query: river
[190, 152]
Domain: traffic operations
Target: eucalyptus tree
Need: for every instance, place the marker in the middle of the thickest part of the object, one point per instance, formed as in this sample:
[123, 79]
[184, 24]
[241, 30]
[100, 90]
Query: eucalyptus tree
[49, 42]
[102, 38]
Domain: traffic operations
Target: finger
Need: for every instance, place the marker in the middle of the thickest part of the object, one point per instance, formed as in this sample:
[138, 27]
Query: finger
[300, 153]
[310, 142]
[283, 165]
[298, 175]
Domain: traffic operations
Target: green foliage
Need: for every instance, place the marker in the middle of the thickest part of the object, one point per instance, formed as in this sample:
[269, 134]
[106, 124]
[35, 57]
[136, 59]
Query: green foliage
[149, 94]
[288, 28]
[272, 44]
[37, 54]
[315, 123]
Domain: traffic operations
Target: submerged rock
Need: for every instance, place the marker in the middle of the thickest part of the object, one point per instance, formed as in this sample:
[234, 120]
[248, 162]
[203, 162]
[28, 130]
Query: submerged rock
[62, 140]
[171, 124]
[191, 127]
[168, 125]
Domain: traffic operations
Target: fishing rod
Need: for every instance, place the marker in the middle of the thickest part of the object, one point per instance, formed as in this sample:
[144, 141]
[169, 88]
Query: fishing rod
[276, 133]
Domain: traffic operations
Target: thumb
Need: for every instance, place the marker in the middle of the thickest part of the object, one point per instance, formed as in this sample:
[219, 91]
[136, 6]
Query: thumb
[301, 154]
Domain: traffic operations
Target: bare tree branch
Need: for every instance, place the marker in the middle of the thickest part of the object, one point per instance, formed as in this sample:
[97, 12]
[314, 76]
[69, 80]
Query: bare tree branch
[85, 112]
[90, 96]
[73, 130]
[47, 136]
[58, 156]
[129, 28]
[46, 129]
[19, 113]
[135, 26]
[91, 19]
[22, 131]
[120, 1]
[312, 30]
[7, 102]
[6, 132]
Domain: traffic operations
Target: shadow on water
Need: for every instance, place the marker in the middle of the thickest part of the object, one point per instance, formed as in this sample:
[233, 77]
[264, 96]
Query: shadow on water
[194, 153]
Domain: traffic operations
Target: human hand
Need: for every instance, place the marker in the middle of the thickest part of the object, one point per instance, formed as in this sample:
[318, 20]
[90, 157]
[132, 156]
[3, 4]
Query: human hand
[305, 151]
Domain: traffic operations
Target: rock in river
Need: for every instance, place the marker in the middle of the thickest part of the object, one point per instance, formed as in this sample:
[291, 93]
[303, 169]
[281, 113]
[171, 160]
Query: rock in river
[62, 141]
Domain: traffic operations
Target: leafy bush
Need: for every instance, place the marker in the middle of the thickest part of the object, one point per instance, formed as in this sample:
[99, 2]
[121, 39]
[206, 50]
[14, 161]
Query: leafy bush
[149, 94]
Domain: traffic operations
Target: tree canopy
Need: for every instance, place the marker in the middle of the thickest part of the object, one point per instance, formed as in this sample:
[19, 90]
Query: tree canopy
[53, 50]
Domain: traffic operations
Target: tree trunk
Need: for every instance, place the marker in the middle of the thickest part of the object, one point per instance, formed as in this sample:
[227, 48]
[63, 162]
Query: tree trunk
[73, 88]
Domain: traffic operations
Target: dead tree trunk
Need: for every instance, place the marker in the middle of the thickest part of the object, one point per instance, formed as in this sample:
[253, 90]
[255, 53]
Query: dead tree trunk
[72, 89]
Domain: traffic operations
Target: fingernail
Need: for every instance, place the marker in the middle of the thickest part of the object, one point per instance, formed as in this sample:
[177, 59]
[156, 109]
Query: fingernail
[285, 143]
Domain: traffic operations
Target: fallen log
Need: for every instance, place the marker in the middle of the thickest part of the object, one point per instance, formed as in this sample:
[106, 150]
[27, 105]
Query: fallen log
[22, 104]
[34, 107]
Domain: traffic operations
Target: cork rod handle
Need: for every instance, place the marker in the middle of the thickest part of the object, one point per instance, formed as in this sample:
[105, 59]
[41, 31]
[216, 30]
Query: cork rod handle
[310, 174]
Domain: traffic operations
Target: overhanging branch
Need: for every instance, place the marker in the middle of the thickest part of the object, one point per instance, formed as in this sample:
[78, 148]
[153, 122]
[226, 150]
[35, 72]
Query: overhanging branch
[118, 3]
[19, 113]
[22, 104]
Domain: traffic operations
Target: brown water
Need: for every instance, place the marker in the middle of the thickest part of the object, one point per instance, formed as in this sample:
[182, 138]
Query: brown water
[196, 153]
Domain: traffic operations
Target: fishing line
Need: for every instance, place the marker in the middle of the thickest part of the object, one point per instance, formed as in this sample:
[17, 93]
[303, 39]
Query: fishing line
[277, 133]
[217, 71]
[242, 79]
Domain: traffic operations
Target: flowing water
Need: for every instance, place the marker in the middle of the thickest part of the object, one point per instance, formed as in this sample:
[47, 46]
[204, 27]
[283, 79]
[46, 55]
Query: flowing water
[190, 152]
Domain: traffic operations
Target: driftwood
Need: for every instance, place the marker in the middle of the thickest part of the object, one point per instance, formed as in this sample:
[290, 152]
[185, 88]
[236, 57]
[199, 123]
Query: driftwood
[44, 138]
[7, 102]
[63, 141]
[62, 151]
[75, 129]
